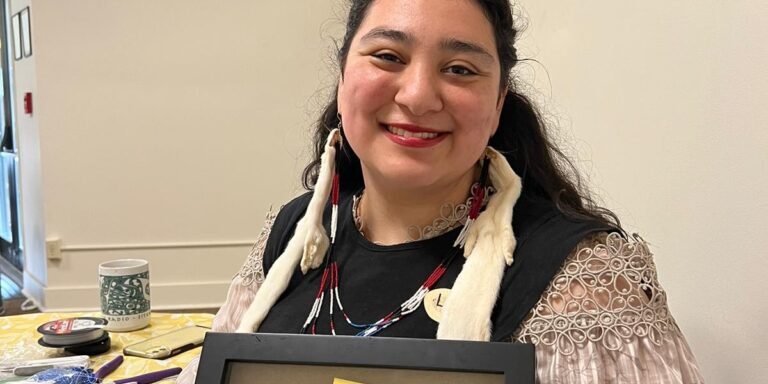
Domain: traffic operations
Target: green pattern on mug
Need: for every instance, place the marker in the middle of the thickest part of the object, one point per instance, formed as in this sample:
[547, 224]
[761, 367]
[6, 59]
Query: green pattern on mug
[125, 295]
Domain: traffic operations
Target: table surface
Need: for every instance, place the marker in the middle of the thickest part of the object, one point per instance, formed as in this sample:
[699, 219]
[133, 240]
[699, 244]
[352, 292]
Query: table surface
[18, 341]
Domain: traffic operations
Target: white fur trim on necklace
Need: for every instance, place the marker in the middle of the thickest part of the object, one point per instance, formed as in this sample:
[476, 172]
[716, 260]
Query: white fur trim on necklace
[489, 248]
[308, 244]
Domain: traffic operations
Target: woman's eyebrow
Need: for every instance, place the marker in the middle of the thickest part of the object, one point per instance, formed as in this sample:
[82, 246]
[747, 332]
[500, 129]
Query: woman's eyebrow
[451, 44]
[461, 46]
[388, 34]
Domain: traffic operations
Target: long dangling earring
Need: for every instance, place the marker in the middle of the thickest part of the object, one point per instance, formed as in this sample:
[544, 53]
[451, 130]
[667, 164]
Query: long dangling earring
[479, 193]
[308, 244]
[335, 188]
[314, 261]
[489, 247]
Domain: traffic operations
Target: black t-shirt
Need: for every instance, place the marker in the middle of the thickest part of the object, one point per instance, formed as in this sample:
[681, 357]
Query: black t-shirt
[375, 280]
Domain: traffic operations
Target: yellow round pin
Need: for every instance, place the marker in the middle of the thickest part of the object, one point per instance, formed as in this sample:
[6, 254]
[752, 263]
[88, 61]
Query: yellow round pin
[434, 302]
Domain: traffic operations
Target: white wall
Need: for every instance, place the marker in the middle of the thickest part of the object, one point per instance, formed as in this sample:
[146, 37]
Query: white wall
[664, 101]
[164, 122]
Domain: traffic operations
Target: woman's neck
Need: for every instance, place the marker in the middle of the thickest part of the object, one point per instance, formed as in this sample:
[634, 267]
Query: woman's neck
[387, 213]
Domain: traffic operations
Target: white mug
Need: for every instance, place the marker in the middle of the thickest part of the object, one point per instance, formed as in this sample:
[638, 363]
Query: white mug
[124, 293]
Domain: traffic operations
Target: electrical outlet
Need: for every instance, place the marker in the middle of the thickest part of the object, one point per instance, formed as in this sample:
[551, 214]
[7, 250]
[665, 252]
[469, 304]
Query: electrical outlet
[53, 249]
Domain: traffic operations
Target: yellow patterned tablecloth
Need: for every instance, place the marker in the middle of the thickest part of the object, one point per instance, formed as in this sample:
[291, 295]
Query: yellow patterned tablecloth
[18, 341]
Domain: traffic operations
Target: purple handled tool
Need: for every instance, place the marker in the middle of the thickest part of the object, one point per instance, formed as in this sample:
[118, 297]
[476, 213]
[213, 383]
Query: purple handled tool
[151, 377]
[109, 367]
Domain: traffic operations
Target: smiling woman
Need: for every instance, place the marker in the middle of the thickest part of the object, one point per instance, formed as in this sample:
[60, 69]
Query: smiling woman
[417, 160]
[409, 74]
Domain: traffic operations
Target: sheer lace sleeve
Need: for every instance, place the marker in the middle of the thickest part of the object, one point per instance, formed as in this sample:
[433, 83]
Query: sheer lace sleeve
[242, 289]
[604, 319]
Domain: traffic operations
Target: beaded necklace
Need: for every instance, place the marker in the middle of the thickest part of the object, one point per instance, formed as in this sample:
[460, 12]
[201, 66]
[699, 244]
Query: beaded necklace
[329, 283]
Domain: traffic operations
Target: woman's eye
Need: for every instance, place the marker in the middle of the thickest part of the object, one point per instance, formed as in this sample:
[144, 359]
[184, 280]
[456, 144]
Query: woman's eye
[459, 70]
[387, 57]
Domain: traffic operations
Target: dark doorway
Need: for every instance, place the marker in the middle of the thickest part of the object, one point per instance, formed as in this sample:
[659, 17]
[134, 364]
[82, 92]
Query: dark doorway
[11, 255]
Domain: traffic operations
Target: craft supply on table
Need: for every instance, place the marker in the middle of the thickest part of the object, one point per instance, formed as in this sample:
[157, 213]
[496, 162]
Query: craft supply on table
[79, 375]
[77, 335]
[18, 343]
[73, 330]
[149, 378]
[31, 367]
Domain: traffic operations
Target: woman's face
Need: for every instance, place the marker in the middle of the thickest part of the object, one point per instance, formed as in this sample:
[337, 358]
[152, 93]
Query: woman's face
[419, 96]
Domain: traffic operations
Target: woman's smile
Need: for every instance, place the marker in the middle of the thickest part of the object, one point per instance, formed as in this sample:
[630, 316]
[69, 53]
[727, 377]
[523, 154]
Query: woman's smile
[414, 136]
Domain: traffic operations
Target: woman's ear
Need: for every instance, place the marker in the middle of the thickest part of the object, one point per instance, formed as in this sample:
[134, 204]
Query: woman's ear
[499, 107]
[500, 102]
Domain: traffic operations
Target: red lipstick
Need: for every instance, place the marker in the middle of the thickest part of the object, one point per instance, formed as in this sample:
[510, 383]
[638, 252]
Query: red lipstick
[413, 142]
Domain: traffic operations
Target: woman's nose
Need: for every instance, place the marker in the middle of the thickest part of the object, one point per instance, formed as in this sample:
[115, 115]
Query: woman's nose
[419, 90]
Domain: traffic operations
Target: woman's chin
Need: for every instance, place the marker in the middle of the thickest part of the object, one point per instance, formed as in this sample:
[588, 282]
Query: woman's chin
[399, 173]
[408, 180]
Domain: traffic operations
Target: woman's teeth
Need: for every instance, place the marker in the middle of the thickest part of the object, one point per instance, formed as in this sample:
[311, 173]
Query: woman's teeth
[404, 133]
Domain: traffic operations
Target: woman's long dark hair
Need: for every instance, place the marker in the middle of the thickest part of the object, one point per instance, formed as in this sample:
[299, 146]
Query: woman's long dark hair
[545, 170]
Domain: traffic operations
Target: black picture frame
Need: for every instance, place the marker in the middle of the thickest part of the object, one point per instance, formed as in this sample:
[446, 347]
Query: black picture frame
[26, 33]
[235, 358]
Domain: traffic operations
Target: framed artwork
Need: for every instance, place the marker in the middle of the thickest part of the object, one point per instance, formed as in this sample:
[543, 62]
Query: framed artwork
[16, 30]
[239, 358]
[26, 33]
